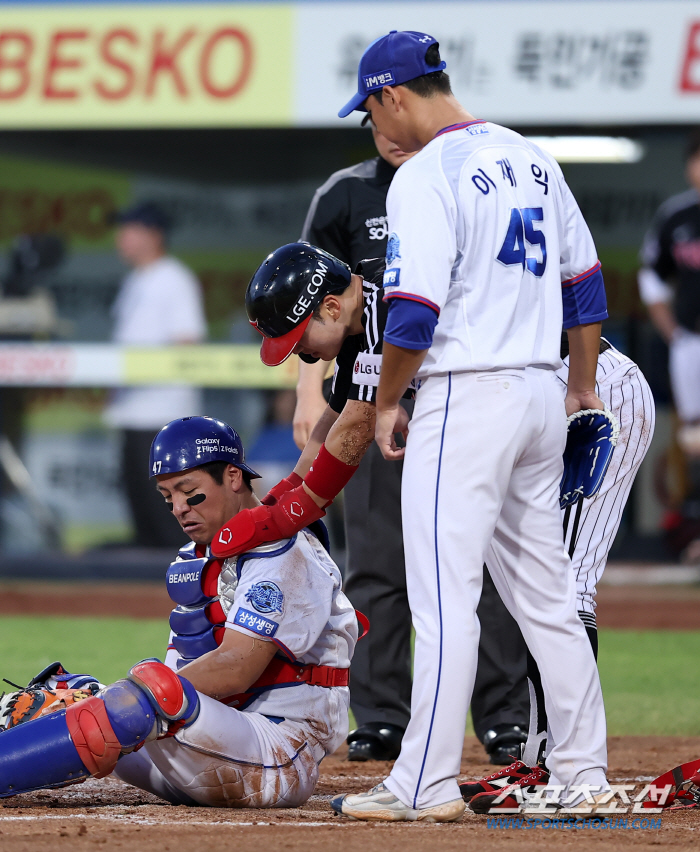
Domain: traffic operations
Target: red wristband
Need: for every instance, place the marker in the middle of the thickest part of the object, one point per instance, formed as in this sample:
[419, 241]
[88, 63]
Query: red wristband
[328, 475]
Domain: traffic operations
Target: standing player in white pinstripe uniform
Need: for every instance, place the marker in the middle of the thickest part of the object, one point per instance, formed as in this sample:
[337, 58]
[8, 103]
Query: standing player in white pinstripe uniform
[590, 527]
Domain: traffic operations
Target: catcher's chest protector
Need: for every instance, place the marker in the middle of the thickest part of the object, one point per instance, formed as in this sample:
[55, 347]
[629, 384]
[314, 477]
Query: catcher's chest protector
[203, 590]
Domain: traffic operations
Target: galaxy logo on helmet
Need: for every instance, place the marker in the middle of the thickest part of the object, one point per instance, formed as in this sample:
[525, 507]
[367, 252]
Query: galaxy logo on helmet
[286, 289]
[193, 441]
[390, 61]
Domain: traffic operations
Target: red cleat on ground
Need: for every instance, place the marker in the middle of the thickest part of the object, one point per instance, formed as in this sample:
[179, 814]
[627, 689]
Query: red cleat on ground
[496, 781]
[483, 803]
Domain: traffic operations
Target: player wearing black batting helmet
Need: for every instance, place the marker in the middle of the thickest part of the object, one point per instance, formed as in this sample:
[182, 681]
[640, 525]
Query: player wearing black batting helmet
[305, 301]
[284, 292]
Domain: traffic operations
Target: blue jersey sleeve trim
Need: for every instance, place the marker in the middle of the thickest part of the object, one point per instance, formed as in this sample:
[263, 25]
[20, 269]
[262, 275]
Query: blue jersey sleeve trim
[584, 303]
[582, 276]
[411, 323]
[412, 298]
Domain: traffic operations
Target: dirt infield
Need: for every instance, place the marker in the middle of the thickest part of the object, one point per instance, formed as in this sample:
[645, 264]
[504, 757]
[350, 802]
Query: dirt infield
[109, 815]
[632, 607]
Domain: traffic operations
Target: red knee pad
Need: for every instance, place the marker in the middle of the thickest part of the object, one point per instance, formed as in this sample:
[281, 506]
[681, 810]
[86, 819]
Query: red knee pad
[95, 741]
[163, 685]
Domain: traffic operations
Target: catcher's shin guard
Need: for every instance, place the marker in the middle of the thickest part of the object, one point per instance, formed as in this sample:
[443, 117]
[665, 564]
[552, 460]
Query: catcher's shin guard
[89, 737]
[39, 754]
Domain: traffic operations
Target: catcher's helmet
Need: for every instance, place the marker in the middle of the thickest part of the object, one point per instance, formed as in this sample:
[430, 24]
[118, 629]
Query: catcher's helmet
[193, 441]
[284, 292]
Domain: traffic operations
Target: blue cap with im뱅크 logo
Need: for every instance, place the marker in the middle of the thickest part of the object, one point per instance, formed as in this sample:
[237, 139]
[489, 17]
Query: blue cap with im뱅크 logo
[390, 61]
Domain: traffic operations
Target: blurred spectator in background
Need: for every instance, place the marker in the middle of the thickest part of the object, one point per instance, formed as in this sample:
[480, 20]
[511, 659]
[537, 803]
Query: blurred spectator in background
[273, 448]
[158, 304]
[27, 310]
[669, 285]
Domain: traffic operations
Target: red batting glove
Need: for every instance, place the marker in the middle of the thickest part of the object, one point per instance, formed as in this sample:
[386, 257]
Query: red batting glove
[274, 494]
[293, 511]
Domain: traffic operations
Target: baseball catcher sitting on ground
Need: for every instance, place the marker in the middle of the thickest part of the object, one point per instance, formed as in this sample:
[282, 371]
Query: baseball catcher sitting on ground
[253, 693]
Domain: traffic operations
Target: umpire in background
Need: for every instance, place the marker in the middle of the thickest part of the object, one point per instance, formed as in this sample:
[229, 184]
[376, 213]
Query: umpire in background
[347, 218]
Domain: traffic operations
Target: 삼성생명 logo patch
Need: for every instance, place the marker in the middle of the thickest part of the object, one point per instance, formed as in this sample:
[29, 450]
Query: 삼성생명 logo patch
[265, 596]
[392, 248]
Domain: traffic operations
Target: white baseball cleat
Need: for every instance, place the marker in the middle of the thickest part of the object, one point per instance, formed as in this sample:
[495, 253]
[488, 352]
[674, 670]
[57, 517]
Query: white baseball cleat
[380, 803]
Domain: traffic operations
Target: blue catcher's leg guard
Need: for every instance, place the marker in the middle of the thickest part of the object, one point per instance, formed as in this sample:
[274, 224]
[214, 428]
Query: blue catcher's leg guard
[89, 737]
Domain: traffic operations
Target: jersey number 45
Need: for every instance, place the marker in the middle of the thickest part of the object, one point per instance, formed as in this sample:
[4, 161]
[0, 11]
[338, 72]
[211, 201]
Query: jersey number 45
[522, 230]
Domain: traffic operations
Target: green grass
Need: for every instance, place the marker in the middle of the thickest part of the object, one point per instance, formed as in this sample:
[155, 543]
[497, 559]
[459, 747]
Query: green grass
[650, 679]
[103, 647]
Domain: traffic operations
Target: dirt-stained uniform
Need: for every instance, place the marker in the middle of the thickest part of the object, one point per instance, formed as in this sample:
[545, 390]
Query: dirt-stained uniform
[260, 749]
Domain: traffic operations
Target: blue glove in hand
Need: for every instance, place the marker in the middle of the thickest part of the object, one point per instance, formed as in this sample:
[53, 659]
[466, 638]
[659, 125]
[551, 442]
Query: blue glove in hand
[591, 438]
